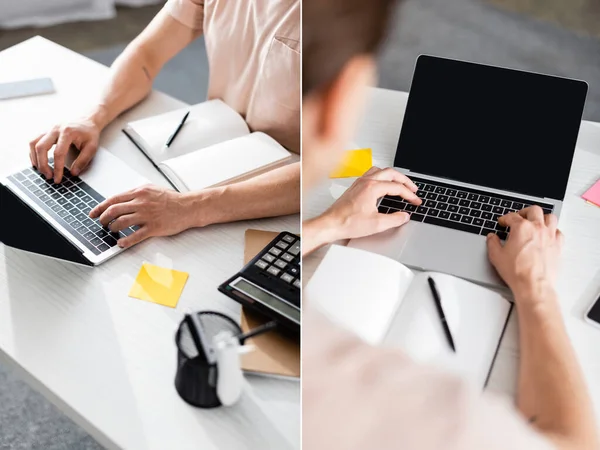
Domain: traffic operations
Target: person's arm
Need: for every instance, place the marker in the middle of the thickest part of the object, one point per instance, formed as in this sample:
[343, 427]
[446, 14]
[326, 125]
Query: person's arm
[317, 232]
[552, 392]
[132, 73]
[275, 193]
[164, 212]
[355, 213]
[130, 81]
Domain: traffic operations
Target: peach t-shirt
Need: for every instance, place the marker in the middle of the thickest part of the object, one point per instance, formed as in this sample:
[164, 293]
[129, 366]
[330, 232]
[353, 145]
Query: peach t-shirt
[253, 49]
[359, 397]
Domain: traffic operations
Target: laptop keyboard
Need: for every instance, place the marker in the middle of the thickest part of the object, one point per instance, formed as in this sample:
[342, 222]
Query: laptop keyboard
[459, 208]
[70, 203]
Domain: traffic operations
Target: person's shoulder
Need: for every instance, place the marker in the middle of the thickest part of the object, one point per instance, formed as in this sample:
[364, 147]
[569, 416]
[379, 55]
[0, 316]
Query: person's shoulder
[347, 384]
[370, 393]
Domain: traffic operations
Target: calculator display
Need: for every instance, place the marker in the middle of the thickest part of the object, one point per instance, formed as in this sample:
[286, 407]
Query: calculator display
[267, 299]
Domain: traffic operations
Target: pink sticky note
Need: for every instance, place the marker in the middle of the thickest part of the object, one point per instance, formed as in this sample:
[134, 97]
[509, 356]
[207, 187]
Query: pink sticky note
[592, 195]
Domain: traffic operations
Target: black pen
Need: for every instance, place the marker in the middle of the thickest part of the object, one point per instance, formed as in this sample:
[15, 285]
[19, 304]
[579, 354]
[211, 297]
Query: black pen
[440, 310]
[177, 130]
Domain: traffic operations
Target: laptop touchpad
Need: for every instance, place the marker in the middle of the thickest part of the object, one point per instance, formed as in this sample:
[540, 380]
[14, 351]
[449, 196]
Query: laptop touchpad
[109, 176]
[444, 250]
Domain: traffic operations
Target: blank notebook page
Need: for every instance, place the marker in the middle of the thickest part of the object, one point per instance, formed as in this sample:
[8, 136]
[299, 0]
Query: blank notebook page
[476, 317]
[208, 123]
[225, 162]
[358, 290]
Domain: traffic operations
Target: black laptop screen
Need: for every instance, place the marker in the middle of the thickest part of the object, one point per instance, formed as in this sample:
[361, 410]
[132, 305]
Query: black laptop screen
[491, 126]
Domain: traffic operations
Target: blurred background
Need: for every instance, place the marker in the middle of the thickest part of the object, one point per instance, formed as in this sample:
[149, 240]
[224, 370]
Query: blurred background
[550, 36]
[556, 37]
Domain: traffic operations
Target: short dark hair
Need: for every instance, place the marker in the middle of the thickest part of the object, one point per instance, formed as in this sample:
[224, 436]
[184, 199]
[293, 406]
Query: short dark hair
[335, 31]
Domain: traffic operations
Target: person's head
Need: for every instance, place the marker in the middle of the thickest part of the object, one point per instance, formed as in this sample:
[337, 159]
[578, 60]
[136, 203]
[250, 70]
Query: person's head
[340, 39]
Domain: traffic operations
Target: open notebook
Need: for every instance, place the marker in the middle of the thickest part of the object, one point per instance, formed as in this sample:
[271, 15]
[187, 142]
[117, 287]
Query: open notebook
[385, 303]
[214, 147]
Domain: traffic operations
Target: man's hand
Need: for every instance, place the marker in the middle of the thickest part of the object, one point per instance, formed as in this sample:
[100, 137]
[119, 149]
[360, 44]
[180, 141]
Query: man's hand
[355, 213]
[157, 211]
[552, 391]
[83, 134]
[529, 258]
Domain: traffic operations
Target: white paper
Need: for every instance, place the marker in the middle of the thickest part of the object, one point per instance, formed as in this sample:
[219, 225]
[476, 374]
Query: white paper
[383, 302]
[226, 162]
[209, 123]
[358, 290]
[476, 318]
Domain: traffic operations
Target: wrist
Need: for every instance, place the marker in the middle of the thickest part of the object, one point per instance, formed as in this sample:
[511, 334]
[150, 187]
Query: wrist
[536, 296]
[100, 117]
[200, 208]
[319, 231]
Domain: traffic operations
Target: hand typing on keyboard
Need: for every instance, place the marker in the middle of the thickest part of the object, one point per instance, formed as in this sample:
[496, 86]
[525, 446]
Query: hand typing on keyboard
[459, 208]
[83, 134]
[156, 210]
[528, 261]
[355, 213]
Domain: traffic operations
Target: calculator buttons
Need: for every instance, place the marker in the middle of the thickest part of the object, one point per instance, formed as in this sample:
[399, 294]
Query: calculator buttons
[287, 277]
[287, 257]
[273, 270]
[261, 264]
[294, 249]
[280, 263]
[277, 268]
[269, 258]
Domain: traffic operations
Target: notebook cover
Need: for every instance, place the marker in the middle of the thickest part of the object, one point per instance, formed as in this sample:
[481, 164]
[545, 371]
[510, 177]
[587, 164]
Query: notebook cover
[274, 354]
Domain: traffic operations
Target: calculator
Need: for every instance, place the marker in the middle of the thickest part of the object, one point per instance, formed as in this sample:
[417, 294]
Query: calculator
[270, 283]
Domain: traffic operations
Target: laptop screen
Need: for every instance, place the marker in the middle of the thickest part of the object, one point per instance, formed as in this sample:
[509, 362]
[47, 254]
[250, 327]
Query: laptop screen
[491, 126]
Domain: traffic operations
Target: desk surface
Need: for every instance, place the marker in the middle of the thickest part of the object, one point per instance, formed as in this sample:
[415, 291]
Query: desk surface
[107, 360]
[580, 222]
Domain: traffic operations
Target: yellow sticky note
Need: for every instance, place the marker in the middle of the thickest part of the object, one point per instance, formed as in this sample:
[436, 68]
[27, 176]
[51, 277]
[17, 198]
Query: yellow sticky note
[354, 164]
[158, 285]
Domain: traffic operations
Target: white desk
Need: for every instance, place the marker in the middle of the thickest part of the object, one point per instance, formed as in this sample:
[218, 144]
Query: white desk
[580, 222]
[107, 360]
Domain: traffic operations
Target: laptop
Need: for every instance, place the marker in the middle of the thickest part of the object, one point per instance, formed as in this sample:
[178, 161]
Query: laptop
[53, 219]
[479, 141]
